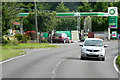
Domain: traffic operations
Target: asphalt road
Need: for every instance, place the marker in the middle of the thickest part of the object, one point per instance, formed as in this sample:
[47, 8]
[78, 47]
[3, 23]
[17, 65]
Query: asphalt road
[61, 62]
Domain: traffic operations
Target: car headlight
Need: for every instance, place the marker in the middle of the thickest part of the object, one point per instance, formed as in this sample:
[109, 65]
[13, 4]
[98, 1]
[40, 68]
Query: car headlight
[83, 50]
[101, 50]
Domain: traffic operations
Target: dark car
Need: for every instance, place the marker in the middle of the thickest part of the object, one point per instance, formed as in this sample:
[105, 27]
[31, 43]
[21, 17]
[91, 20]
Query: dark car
[60, 37]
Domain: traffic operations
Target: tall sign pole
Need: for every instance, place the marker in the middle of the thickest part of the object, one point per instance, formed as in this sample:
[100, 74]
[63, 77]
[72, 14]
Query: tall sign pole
[36, 24]
[113, 19]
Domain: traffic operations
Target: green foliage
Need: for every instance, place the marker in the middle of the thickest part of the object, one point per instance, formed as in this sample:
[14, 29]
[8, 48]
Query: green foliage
[29, 23]
[62, 8]
[29, 46]
[4, 41]
[18, 36]
[66, 24]
[85, 7]
[11, 40]
[118, 60]
[9, 53]
[44, 41]
[9, 14]
[47, 21]
[25, 38]
[43, 6]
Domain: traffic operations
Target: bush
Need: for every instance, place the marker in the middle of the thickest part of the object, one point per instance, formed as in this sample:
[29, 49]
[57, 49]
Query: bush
[11, 40]
[32, 34]
[43, 40]
[4, 41]
[18, 36]
[25, 38]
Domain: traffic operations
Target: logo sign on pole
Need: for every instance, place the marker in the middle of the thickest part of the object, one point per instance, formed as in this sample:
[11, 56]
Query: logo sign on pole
[113, 13]
[114, 34]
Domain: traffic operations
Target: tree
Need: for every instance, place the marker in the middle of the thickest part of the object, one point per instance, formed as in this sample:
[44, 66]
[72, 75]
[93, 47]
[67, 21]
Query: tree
[85, 7]
[101, 7]
[47, 21]
[62, 8]
[9, 14]
[43, 6]
[67, 24]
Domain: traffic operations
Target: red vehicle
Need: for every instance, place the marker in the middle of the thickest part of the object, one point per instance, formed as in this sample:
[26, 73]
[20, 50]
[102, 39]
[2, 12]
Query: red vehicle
[60, 37]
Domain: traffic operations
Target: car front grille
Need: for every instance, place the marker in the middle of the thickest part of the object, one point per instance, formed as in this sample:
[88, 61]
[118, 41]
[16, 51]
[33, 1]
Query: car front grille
[92, 50]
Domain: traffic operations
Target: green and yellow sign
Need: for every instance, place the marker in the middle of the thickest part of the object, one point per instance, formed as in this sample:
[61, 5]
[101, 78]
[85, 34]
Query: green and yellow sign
[113, 19]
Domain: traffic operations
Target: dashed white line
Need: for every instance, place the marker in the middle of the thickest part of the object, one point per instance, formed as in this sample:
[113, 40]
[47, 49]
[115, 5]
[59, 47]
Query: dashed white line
[54, 70]
[58, 64]
[114, 63]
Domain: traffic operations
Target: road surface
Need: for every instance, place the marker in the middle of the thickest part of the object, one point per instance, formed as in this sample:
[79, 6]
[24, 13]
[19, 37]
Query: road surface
[61, 62]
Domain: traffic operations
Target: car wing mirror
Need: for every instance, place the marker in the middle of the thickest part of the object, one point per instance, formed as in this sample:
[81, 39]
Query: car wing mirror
[81, 45]
[105, 46]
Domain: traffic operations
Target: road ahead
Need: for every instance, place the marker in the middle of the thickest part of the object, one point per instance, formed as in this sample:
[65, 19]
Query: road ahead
[61, 62]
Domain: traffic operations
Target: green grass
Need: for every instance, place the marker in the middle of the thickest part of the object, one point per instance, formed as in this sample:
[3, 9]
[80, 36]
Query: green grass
[118, 60]
[9, 51]
[30, 46]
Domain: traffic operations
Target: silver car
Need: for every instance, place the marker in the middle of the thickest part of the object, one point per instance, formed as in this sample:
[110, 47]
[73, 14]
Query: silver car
[93, 48]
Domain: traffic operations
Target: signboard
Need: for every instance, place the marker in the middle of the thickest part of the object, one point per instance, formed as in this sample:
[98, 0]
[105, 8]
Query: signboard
[23, 14]
[114, 34]
[113, 21]
[113, 13]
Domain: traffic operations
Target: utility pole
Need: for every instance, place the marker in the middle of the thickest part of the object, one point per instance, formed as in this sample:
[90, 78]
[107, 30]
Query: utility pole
[36, 24]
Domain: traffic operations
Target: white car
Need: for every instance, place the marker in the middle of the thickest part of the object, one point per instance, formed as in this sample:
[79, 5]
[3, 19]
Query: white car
[93, 48]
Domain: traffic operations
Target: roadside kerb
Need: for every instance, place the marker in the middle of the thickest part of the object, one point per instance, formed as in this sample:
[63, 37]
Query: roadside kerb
[115, 65]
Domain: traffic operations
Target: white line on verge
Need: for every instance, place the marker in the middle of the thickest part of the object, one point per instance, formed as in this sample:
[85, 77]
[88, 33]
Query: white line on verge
[12, 58]
[114, 63]
[18, 57]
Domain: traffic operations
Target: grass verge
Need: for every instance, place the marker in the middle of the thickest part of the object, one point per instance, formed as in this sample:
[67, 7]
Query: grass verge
[9, 51]
[118, 60]
[30, 46]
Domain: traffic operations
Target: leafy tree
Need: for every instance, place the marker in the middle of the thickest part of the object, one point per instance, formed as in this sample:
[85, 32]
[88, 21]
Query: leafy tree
[29, 23]
[85, 7]
[67, 24]
[43, 6]
[47, 21]
[101, 7]
[62, 8]
[25, 6]
[9, 14]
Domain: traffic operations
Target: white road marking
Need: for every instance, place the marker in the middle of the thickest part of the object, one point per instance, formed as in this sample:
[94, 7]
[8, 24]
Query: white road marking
[114, 63]
[12, 58]
[55, 69]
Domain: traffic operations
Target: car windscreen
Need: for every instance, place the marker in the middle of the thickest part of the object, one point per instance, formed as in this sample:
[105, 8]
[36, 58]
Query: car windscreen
[93, 43]
[57, 35]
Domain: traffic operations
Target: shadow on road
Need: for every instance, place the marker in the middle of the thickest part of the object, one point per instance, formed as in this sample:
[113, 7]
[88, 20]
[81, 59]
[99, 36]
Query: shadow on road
[77, 58]
[73, 58]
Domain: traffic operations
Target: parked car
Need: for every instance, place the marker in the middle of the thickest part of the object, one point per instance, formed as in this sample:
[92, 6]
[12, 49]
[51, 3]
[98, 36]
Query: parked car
[60, 37]
[93, 48]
